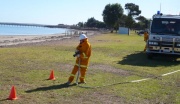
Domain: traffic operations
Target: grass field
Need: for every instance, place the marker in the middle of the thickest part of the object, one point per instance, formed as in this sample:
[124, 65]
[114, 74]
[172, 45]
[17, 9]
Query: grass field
[116, 61]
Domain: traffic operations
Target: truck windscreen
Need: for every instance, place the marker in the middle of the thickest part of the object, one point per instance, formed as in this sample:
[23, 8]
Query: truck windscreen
[165, 26]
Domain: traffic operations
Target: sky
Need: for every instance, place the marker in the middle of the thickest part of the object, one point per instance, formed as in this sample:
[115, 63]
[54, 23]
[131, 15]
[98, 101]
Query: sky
[69, 12]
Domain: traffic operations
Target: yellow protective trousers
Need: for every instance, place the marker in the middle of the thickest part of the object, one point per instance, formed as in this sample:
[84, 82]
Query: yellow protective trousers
[145, 47]
[82, 73]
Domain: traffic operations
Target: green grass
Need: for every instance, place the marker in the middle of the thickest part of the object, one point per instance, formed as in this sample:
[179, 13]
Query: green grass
[116, 60]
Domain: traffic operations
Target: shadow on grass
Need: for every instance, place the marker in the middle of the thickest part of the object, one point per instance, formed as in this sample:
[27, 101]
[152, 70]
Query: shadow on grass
[4, 100]
[140, 59]
[53, 87]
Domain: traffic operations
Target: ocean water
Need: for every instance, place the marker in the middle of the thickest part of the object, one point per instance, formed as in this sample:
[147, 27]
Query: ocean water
[29, 30]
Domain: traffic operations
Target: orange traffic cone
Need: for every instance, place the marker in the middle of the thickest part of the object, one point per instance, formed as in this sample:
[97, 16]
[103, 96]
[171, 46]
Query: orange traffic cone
[12, 95]
[51, 77]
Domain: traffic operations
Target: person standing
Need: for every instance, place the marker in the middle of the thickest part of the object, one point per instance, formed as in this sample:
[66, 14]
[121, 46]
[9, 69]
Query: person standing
[146, 36]
[83, 53]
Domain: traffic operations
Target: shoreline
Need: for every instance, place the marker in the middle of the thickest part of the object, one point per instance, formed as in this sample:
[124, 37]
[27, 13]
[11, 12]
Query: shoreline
[11, 40]
[23, 39]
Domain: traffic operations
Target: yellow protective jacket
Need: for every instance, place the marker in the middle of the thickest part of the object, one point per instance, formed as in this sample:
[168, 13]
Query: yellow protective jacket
[85, 52]
[146, 36]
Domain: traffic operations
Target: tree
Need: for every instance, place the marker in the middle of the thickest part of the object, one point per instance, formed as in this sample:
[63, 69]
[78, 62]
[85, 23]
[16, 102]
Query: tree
[133, 10]
[144, 22]
[141, 19]
[111, 14]
[129, 21]
[91, 22]
[122, 20]
[100, 24]
[80, 24]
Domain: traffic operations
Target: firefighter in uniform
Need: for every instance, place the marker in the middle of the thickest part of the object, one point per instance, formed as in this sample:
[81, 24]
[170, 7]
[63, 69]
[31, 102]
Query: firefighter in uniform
[83, 53]
[146, 36]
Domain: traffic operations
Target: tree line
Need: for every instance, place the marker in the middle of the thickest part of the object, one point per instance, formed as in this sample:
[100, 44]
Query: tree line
[114, 17]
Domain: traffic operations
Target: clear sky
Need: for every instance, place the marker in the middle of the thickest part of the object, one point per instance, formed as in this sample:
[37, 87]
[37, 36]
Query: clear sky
[71, 12]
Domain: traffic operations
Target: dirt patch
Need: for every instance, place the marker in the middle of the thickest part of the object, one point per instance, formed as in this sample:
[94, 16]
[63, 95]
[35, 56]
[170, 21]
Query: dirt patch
[98, 98]
[110, 69]
[104, 68]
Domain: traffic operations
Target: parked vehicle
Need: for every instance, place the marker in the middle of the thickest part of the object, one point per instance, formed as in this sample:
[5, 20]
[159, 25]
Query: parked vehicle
[164, 36]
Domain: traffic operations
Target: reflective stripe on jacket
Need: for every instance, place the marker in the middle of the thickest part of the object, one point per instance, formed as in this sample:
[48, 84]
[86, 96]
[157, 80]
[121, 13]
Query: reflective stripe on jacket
[85, 52]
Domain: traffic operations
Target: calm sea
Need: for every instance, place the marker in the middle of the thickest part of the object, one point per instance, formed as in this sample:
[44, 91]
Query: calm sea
[29, 30]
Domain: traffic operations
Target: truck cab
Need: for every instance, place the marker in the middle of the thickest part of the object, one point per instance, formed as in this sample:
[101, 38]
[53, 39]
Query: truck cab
[164, 36]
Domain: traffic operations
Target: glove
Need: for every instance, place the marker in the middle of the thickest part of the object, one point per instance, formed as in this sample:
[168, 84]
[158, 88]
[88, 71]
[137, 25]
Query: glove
[76, 53]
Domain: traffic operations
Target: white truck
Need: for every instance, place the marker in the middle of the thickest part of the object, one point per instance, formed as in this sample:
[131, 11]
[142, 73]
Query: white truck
[164, 36]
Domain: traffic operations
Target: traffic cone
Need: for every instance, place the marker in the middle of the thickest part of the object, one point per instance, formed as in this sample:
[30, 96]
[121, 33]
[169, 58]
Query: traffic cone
[12, 95]
[51, 77]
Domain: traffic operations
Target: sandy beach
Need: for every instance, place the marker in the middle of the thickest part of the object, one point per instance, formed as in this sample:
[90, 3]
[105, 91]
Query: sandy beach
[12, 40]
[16, 39]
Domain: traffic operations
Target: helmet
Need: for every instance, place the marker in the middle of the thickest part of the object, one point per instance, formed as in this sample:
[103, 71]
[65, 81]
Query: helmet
[82, 36]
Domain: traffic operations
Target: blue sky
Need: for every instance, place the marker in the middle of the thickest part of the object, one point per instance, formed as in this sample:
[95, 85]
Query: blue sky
[73, 11]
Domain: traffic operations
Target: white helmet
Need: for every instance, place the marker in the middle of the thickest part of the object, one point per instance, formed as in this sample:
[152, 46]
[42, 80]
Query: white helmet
[82, 36]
